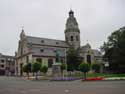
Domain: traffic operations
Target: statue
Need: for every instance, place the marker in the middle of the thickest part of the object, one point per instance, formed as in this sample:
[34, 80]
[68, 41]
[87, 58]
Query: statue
[56, 68]
[57, 56]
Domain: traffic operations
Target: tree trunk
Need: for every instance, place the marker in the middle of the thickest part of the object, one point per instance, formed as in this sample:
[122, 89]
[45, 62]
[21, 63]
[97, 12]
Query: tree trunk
[28, 75]
[36, 76]
[85, 75]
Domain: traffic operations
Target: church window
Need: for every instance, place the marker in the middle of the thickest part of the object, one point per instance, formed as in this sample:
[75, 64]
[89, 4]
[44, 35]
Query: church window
[42, 41]
[39, 60]
[2, 60]
[57, 42]
[2, 66]
[77, 38]
[88, 59]
[71, 38]
[50, 62]
[42, 50]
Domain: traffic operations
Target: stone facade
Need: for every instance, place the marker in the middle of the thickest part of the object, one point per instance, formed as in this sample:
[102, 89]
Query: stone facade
[32, 49]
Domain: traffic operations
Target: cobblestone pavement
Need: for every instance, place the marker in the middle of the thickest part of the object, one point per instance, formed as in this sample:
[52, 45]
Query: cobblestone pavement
[16, 85]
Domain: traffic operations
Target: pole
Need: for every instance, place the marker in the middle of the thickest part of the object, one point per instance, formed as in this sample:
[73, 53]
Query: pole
[66, 63]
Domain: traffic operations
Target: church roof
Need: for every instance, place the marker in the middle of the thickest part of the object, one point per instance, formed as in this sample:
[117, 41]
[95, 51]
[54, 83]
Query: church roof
[46, 42]
[85, 47]
[96, 52]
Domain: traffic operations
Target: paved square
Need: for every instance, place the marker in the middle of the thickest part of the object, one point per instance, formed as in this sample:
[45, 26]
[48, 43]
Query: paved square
[16, 85]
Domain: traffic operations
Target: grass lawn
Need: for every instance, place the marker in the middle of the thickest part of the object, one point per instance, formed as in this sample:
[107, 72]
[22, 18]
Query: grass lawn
[105, 75]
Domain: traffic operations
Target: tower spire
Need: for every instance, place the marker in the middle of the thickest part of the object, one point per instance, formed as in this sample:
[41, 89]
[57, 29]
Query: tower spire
[22, 28]
[22, 34]
[71, 13]
[72, 32]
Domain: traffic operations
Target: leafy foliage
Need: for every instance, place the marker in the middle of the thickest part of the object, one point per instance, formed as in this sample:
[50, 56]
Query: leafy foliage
[44, 69]
[27, 67]
[96, 67]
[114, 50]
[36, 67]
[63, 66]
[73, 59]
[84, 67]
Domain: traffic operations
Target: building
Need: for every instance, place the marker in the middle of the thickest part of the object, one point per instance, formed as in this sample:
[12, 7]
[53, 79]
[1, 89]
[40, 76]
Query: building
[7, 65]
[31, 49]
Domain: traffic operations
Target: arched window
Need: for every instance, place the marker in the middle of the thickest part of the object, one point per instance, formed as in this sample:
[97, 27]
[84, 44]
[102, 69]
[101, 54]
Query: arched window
[88, 59]
[50, 62]
[71, 38]
[77, 38]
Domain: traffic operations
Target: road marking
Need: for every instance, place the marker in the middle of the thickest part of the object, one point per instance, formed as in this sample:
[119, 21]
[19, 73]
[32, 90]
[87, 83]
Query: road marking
[66, 90]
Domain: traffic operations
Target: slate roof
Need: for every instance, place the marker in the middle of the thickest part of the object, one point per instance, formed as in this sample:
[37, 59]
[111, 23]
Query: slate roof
[46, 42]
[85, 48]
[96, 52]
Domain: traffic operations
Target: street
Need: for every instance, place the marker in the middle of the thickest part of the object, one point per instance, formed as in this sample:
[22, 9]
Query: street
[17, 85]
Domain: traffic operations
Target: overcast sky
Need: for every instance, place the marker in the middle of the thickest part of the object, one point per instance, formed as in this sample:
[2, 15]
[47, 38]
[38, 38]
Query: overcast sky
[47, 18]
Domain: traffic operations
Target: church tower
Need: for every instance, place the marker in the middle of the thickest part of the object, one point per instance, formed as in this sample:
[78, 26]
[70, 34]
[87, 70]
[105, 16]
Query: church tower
[72, 32]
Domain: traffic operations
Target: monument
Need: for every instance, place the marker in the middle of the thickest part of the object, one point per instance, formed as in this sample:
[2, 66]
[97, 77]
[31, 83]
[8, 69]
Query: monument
[56, 67]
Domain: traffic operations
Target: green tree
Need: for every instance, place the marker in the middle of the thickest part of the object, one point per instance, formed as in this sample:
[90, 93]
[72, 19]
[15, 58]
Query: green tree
[27, 69]
[63, 67]
[96, 67]
[73, 59]
[44, 69]
[36, 67]
[114, 50]
[84, 67]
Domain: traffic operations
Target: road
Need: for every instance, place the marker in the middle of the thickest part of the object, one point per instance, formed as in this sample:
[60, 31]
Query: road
[16, 85]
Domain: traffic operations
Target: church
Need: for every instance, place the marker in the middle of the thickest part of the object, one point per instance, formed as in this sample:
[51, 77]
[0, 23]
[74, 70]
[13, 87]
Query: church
[36, 49]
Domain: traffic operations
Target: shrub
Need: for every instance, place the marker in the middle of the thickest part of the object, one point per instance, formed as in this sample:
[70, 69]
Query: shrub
[36, 68]
[96, 67]
[84, 67]
[27, 68]
[44, 69]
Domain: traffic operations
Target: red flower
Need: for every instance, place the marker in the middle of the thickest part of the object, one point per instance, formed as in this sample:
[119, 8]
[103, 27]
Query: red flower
[93, 79]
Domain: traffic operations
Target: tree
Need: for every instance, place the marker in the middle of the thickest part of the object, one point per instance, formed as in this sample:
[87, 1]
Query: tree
[44, 69]
[36, 68]
[96, 67]
[84, 67]
[114, 50]
[73, 59]
[27, 69]
[63, 67]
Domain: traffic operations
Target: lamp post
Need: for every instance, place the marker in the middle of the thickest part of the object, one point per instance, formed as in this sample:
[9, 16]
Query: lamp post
[66, 63]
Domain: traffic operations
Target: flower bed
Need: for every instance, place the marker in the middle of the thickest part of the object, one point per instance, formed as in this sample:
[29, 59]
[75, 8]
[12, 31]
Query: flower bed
[64, 78]
[93, 79]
